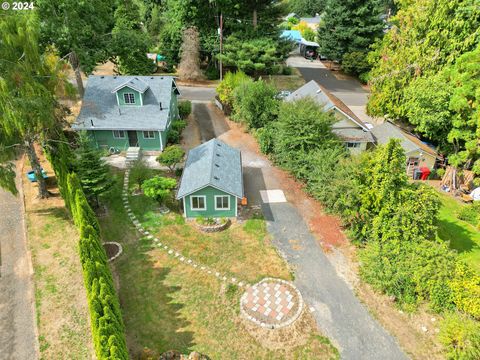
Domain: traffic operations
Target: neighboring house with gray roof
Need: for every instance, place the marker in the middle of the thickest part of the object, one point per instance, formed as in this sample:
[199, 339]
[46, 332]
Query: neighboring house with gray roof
[353, 131]
[417, 152]
[212, 181]
[128, 111]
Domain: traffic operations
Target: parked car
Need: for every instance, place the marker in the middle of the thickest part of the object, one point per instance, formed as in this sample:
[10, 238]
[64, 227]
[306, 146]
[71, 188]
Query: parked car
[31, 175]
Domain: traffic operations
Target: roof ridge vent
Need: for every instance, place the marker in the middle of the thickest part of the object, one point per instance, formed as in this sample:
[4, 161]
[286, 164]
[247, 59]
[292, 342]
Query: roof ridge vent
[216, 177]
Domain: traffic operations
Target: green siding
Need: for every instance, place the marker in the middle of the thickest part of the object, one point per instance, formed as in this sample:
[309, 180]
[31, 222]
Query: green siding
[148, 144]
[210, 211]
[125, 90]
[105, 139]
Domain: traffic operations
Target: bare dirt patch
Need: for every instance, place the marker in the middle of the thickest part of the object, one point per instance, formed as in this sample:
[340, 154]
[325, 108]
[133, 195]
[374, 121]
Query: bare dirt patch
[61, 302]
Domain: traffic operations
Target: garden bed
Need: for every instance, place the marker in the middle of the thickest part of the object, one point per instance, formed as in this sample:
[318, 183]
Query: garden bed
[113, 250]
[211, 225]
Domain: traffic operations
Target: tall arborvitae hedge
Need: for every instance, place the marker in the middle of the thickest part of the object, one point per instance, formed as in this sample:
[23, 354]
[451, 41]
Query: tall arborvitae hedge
[108, 330]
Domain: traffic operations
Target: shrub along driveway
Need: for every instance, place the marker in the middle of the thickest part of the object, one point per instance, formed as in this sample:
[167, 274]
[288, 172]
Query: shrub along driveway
[336, 309]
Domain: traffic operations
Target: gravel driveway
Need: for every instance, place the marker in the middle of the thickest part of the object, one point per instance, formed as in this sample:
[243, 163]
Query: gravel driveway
[18, 339]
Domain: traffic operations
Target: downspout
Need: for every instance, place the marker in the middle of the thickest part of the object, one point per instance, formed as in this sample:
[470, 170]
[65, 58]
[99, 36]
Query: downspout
[161, 142]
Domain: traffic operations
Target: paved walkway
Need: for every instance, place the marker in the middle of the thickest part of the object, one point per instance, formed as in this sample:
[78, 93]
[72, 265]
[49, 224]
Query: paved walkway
[18, 339]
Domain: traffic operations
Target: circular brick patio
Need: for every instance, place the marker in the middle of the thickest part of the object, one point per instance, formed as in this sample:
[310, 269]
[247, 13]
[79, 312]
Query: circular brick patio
[272, 303]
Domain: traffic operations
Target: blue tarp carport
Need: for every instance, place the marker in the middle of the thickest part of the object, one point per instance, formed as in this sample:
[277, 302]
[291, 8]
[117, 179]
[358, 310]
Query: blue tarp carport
[292, 35]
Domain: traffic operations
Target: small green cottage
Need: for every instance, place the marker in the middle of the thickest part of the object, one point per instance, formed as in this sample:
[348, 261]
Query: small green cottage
[212, 181]
[128, 111]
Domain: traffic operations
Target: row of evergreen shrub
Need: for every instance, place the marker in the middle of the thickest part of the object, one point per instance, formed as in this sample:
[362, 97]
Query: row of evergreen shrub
[108, 330]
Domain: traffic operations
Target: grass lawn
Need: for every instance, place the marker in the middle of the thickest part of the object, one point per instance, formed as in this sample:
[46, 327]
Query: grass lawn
[286, 82]
[168, 305]
[463, 237]
[60, 296]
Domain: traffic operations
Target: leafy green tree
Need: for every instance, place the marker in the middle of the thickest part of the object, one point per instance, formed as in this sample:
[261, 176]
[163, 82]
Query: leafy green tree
[460, 335]
[427, 107]
[129, 42]
[254, 56]
[464, 78]
[385, 177]
[355, 63]
[158, 188]
[171, 156]
[301, 128]
[28, 83]
[426, 37]
[306, 7]
[255, 103]
[139, 172]
[79, 30]
[349, 26]
[94, 174]
[230, 82]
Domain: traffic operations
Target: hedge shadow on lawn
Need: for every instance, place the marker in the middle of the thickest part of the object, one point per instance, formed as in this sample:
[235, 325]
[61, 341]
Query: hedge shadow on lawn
[152, 318]
[460, 237]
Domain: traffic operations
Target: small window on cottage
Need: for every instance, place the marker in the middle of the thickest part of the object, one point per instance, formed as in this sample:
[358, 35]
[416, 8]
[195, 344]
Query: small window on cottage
[222, 202]
[129, 98]
[149, 134]
[353, 144]
[198, 203]
[118, 134]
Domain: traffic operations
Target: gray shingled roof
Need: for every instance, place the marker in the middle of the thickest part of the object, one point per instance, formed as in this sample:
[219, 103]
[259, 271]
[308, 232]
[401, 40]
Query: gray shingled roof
[99, 106]
[330, 102]
[215, 164]
[386, 131]
[134, 83]
[354, 135]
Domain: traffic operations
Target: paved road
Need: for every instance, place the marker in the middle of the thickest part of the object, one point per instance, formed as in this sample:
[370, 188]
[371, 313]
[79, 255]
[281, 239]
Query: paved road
[18, 338]
[349, 90]
[198, 94]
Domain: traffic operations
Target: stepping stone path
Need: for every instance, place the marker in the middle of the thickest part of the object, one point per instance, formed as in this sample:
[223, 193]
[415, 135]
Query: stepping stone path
[271, 303]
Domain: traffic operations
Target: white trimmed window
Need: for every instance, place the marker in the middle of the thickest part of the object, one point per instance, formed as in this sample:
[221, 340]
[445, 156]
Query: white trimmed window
[222, 202]
[129, 98]
[149, 134]
[118, 134]
[353, 144]
[198, 202]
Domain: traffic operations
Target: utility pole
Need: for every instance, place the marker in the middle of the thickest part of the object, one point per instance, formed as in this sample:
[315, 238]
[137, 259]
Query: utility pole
[220, 32]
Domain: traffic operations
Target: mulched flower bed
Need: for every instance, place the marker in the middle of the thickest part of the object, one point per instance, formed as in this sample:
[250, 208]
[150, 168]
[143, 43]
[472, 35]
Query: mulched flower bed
[113, 250]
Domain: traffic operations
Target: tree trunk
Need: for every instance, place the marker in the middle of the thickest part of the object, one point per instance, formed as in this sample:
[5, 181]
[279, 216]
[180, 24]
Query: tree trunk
[32, 157]
[254, 18]
[73, 58]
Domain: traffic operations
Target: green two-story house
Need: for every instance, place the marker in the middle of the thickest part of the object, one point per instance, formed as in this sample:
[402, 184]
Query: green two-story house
[128, 111]
[212, 181]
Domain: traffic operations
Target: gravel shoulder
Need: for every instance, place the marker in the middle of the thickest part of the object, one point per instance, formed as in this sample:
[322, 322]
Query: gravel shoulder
[18, 328]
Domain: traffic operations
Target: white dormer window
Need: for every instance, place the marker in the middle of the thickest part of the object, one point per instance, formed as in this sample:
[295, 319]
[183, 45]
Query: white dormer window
[129, 98]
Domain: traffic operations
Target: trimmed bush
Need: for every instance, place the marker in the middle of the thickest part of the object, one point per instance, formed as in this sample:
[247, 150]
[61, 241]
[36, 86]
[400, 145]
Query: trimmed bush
[184, 108]
[461, 337]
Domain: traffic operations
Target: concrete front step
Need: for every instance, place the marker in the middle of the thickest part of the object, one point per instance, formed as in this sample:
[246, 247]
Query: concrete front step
[133, 153]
